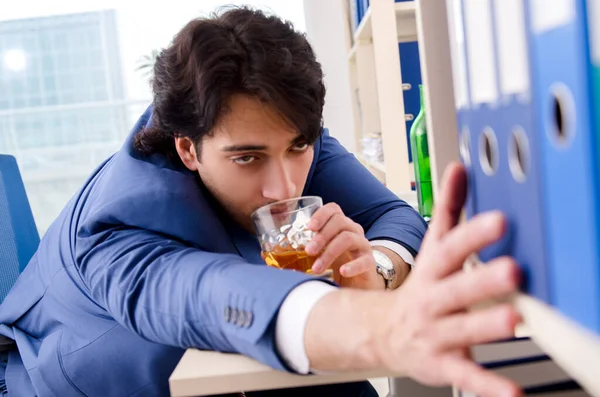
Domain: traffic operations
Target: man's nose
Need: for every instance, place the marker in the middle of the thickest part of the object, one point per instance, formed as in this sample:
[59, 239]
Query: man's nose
[279, 184]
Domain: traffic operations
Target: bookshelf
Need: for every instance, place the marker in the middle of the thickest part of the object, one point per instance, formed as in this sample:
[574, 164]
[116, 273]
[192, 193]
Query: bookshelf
[571, 346]
[377, 88]
[377, 84]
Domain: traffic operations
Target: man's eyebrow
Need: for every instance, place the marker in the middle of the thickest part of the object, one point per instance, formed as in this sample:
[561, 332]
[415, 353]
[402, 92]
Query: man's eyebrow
[251, 148]
[298, 139]
[243, 148]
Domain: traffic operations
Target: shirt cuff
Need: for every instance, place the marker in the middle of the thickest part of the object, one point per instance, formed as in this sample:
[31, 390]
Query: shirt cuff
[291, 322]
[397, 248]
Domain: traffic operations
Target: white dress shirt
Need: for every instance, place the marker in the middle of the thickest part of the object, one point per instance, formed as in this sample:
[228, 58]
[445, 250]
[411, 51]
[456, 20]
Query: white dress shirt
[294, 311]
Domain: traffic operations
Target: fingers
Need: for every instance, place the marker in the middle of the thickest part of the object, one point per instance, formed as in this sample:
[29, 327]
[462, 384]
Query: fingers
[358, 266]
[343, 242]
[336, 223]
[452, 251]
[337, 235]
[322, 215]
[494, 280]
[449, 204]
[468, 376]
[475, 327]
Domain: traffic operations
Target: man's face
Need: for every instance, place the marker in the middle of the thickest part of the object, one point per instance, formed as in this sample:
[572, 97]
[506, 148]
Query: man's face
[253, 158]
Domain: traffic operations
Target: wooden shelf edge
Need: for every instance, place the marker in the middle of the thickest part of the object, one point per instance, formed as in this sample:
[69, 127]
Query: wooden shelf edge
[408, 38]
[409, 196]
[404, 11]
[363, 30]
[573, 348]
[379, 166]
[405, 7]
[406, 21]
[352, 53]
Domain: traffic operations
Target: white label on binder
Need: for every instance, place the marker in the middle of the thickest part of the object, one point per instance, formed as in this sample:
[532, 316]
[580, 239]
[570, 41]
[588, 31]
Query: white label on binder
[457, 51]
[594, 15]
[480, 51]
[547, 15]
[512, 46]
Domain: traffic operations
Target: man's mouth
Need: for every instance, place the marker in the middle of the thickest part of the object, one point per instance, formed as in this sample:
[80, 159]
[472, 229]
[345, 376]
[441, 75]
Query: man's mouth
[279, 209]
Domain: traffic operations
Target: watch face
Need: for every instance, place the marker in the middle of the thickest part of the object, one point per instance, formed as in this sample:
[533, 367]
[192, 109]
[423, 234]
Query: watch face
[382, 260]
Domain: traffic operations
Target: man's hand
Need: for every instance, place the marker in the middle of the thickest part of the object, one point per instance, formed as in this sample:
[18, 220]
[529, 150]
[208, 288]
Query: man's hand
[344, 248]
[424, 328]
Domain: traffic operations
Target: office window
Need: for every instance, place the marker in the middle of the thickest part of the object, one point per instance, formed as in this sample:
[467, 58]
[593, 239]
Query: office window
[69, 89]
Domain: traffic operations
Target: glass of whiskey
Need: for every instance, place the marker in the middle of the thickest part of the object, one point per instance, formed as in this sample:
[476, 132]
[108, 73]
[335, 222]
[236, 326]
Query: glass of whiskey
[283, 235]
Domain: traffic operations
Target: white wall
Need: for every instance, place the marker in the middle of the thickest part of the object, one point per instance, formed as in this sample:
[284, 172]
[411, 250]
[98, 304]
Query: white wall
[326, 29]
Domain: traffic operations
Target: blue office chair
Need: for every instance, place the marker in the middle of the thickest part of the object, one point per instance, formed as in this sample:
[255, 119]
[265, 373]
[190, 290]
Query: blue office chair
[19, 237]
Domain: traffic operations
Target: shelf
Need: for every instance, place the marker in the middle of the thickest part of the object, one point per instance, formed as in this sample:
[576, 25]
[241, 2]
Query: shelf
[376, 84]
[371, 60]
[376, 167]
[352, 53]
[406, 26]
[572, 347]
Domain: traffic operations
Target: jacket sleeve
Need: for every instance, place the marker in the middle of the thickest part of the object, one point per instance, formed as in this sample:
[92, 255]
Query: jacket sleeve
[339, 177]
[176, 295]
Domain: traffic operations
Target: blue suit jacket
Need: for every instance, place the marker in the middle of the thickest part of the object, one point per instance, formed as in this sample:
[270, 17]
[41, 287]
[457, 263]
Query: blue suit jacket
[142, 264]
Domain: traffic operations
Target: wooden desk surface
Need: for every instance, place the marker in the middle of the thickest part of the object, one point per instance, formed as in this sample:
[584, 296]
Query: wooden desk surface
[208, 373]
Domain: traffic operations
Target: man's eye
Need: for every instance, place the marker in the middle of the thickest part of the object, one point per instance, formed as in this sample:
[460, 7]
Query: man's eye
[244, 160]
[300, 147]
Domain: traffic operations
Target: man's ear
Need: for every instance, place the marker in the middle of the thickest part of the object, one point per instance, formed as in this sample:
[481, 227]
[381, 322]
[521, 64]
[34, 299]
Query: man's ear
[187, 152]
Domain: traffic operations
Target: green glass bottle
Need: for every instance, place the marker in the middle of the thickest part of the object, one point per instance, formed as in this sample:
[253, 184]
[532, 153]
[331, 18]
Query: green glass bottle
[420, 155]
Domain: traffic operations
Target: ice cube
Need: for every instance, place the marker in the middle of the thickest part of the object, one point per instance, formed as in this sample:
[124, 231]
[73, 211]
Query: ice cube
[305, 237]
[292, 234]
[285, 228]
[300, 221]
[274, 232]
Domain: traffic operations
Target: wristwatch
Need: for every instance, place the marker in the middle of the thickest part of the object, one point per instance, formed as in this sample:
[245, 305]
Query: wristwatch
[385, 267]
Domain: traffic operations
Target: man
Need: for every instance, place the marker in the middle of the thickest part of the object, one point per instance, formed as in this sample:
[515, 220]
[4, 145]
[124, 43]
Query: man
[156, 252]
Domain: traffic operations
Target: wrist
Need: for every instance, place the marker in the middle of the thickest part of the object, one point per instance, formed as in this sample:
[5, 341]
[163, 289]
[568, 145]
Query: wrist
[401, 268]
[329, 347]
[385, 268]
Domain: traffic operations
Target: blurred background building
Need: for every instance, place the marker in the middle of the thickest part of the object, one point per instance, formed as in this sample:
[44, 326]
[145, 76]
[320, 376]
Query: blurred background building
[63, 108]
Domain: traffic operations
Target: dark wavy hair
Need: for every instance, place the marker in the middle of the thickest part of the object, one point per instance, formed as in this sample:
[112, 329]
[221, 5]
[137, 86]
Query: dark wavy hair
[236, 50]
